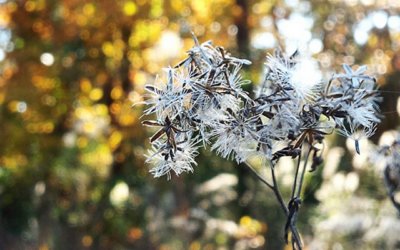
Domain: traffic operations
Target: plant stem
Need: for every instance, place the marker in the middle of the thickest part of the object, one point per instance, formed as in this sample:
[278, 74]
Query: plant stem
[259, 176]
[295, 176]
[295, 235]
[275, 188]
[303, 172]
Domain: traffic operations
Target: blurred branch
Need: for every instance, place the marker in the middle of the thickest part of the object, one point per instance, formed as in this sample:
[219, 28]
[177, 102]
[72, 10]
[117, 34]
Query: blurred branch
[243, 38]
[391, 186]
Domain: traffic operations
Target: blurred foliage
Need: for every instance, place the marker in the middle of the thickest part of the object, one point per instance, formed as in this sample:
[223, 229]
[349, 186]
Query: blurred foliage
[72, 172]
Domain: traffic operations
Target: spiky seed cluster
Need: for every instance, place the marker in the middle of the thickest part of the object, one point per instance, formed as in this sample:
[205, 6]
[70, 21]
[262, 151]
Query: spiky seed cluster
[202, 96]
[353, 95]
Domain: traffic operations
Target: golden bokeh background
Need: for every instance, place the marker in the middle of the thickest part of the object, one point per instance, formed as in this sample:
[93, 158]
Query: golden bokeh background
[72, 172]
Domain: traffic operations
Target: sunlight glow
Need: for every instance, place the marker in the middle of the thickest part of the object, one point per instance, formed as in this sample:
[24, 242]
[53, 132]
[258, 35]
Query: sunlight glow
[119, 194]
[264, 40]
[306, 76]
[315, 46]
[379, 19]
[297, 27]
[398, 106]
[387, 137]
[2, 55]
[21, 107]
[47, 59]
[394, 23]
[169, 46]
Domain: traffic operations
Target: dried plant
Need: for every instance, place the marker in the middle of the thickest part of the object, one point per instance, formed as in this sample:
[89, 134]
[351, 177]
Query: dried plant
[202, 103]
[389, 156]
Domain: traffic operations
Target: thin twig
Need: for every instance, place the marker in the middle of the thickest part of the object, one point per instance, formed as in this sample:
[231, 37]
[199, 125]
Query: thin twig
[295, 234]
[295, 176]
[259, 176]
[274, 187]
[303, 172]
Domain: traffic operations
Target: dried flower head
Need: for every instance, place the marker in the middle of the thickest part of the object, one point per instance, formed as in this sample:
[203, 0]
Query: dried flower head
[292, 108]
[203, 95]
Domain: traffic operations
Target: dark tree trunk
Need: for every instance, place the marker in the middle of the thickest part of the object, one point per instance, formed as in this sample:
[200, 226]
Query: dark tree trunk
[242, 41]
